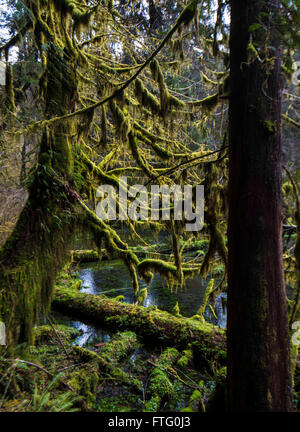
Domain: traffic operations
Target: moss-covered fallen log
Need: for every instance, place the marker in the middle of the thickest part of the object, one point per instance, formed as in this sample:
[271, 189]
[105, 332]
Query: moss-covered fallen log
[47, 334]
[153, 325]
[160, 386]
[107, 366]
[119, 347]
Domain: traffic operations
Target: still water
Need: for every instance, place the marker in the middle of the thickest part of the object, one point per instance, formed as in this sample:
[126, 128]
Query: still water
[112, 279]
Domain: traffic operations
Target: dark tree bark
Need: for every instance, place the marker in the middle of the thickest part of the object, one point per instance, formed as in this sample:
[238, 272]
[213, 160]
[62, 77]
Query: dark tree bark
[257, 332]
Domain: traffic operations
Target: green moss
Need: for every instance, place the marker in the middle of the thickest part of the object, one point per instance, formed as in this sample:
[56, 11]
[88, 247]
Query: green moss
[146, 98]
[153, 404]
[153, 325]
[122, 126]
[138, 156]
[208, 104]
[176, 310]
[207, 293]
[185, 360]
[85, 255]
[119, 298]
[30, 271]
[46, 334]
[9, 88]
[169, 271]
[142, 296]
[160, 385]
[119, 346]
[195, 403]
[270, 127]
[85, 382]
[108, 364]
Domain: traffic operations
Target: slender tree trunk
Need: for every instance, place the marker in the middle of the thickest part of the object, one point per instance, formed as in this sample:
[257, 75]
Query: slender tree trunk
[257, 331]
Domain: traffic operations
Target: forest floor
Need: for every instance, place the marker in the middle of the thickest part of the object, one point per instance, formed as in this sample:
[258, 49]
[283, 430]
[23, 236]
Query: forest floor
[127, 372]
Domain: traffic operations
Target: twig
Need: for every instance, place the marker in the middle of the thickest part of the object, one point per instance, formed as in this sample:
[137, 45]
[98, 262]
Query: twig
[43, 370]
[58, 337]
[176, 376]
[70, 367]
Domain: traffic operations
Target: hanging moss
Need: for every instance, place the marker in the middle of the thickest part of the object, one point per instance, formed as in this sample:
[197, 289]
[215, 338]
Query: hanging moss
[103, 140]
[151, 139]
[138, 156]
[177, 49]
[167, 101]
[85, 121]
[208, 104]
[214, 204]
[188, 13]
[167, 270]
[176, 310]
[142, 297]
[80, 13]
[122, 126]
[176, 252]
[207, 293]
[27, 280]
[38, 246]
[145, 97]
[60, 186]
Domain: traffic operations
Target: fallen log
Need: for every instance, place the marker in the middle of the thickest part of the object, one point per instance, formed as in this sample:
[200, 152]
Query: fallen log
[119, 347]
[107, 366]
[160, 386]
[156, 327]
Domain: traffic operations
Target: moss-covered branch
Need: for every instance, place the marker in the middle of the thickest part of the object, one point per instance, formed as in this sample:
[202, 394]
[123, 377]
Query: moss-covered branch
[290, 120]
[160, 385]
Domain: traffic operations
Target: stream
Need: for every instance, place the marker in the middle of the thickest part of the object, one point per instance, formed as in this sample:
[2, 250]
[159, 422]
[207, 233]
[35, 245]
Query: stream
[112, 279]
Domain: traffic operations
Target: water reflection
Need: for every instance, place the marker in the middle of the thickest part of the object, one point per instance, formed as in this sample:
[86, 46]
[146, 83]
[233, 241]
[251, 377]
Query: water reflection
[221, 310]
[89, 334]
[112, 279]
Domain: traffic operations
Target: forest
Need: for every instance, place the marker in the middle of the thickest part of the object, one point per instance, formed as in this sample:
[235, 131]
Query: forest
[150, 207]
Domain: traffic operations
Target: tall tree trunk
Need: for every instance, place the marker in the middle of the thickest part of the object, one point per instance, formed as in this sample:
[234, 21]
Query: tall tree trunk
[257, 331]
[37, 247]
